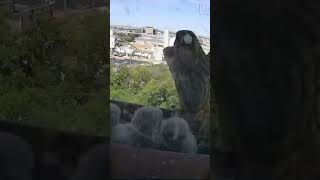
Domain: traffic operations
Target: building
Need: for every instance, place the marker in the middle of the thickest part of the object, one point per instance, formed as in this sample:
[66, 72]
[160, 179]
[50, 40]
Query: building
[149, 30]
[146, 31]
[166, 38]
[158, 54]
[127, 29]
[149, 44]
[112, 40]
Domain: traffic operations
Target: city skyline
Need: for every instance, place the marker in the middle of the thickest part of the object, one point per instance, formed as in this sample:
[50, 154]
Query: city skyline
[162, 30]
[173, 15]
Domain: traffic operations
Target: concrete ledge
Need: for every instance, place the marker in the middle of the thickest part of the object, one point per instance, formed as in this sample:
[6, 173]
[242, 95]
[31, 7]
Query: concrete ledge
[135, 163]
[56, 152]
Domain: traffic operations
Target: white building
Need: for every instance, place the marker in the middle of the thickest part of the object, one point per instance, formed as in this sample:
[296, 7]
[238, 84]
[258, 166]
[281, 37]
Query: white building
[171, 41]
[158, 54]
[149, 30]
[112, 40]
[168, 39]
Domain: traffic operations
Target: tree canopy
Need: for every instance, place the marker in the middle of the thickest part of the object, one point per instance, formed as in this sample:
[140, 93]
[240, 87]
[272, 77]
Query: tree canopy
[146, 85]
[55, 74]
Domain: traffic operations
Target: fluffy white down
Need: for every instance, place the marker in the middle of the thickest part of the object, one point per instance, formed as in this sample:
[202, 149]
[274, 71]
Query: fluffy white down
[175, 135]
[147, 120]
[115, 114]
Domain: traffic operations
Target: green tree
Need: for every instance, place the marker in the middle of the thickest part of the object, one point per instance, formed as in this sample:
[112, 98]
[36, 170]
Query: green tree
[147, 85]
[33, 62]
[126, 38]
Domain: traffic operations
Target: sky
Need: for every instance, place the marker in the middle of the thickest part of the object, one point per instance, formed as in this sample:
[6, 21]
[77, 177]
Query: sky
[163, 14]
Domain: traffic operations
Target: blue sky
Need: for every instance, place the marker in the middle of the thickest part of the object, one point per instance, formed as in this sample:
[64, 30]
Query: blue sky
[164, 14]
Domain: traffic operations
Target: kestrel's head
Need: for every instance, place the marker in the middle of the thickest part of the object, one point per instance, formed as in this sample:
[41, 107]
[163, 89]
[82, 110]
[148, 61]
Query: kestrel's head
[185, 38]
